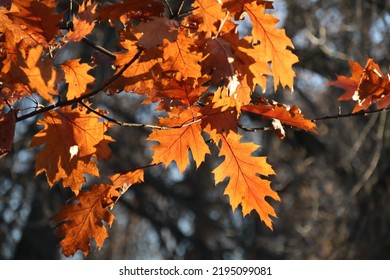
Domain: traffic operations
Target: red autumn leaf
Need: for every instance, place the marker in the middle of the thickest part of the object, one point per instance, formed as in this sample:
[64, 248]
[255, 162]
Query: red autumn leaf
[7, 131]
[366, 86]
[156, 30]
[71, 139]
[81, 219]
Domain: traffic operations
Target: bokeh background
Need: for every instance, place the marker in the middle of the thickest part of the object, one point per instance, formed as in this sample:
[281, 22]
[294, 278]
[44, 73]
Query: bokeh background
[334, 186]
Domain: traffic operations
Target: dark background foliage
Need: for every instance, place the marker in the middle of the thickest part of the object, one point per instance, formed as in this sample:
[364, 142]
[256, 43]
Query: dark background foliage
[334, 186]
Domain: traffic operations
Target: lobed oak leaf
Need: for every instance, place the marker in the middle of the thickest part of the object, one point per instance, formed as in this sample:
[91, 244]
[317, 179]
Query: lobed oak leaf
[245, 187]
[274, 44]
[144, 8]
[182, 57]
[77, 77]
[217, 120]
[81, 219]
[39, 74]
[287, 115]
[84, 23]
[142, 74]
[173, 144]
[374, 86]
[123, 181]
[72, 139]
[156, 30]
[218, 60]
[366, 86]
[349, 84]
[7, 131]
[209, 13]
[179, 93]
[31, 22]
[237, 7]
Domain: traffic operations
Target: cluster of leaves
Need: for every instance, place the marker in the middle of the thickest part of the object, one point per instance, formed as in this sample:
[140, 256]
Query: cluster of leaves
[193, 63]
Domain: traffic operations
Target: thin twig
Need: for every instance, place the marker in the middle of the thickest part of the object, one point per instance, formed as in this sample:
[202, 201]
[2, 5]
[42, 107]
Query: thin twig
[338, 116]
[360, 113]
[99, 48]
[156, 127]
[88, 95]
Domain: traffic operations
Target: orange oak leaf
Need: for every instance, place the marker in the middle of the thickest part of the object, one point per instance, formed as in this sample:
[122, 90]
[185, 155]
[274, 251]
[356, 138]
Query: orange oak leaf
[288, 115]
[274, 44]
[182, 57]
[349, 84]
[39, 74]
[141, 75]
[123, 181]
[132, 7]
[77, 77]
[217, 120]
[245, 187]
[72, 138]
[179, 93]
[32, 23]
[237, 7]
[7, 131]
[84, 22]
[209, 13]
[174, 143]
[81, 219]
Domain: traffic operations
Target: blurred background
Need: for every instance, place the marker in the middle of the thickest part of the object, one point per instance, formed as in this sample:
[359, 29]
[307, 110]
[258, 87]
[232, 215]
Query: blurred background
[334, 186]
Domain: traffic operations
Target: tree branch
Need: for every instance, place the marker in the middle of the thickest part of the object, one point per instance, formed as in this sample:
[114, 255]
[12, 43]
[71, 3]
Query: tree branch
[88, 95]
[338, 116]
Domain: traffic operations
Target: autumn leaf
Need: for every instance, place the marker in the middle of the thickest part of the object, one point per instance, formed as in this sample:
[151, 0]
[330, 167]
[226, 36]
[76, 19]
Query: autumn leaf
[173, 144]
[349, 84]
[288, 115]
[366, 86]
[132, 8]
[179, 93]
[123, 181]
[156, 30]
[141, 75]
[81, 219]
[182, 57]
[39, 74]
[84, 23]
[218, 60]
[71, 139]
[7, 131]
[209, 13]
[245, 187]
[274, 44]
[77, 77]
[31, 23]
[217, 119]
